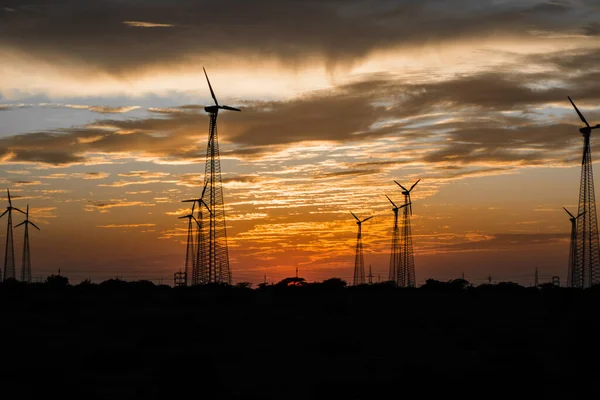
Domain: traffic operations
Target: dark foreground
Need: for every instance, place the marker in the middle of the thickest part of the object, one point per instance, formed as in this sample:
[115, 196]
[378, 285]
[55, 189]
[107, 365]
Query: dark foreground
[122, 340]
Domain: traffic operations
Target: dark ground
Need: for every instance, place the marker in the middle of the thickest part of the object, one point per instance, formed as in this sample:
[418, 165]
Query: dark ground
[122, 340]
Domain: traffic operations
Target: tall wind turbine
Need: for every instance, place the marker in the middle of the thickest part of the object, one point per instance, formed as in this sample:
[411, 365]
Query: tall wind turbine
[587, 265]
[573, 272]
[359, 263]
[395, 253]
[9, 254]
[218, 255]
[26, 261]
[189, 250]
[200, 268]
[407, 276]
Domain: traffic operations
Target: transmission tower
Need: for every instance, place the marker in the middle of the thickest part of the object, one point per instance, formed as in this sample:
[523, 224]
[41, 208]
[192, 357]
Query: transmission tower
[26, 261]
[407, 276]
[217, 252]
[359, 263]
[9, 254]
[586, 271]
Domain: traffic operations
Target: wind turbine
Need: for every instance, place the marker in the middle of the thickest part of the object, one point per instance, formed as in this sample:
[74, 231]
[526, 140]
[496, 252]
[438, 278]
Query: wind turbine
[406, 273]
[573, 271]
[218, 255]
[587, 262]
[200, 270]
[359, 264]
[189, 250]
[26, 261]
[9, 254]
[395, 253]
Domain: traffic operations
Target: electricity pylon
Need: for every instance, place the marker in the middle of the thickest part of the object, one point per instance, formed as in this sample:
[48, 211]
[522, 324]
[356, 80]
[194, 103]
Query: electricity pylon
[9, 252]
[200, 269]
[359, 263]
[217, 252]
[26, 260]
[395, 252]
[586, 271]
[407, 276]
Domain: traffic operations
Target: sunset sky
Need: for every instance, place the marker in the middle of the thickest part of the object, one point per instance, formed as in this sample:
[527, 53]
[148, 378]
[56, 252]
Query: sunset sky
[103, 132]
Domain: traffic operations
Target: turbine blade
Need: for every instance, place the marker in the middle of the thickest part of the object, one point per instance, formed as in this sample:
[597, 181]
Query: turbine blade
[210, 87]
[581, 214]
[412, 187]
[405, 205]
[355, 216]
[197, 223]
[366, 219]
[21, 211]
[27, 211]
[35, 226]
[189, 201]
[579, 112]
[204, 190]
[185, 216]
[229, 108]
[409, 203]
[206, 205]
[18, 225]
[4, 213]
[391, 201]
[9, 201]
[193, 206]
[572, 216]
[403, 188]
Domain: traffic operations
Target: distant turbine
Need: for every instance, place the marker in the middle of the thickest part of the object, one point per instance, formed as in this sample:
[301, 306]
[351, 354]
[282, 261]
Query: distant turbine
[407, 276]
[587, 265]
[359, 264]
[200, 267]
[572, 271]
[26, 261]
[395, 253]
[218, 255]
[9, 254]
[189, 250]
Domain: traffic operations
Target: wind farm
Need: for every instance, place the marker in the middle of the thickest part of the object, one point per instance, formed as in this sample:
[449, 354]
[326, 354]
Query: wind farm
[295, 200]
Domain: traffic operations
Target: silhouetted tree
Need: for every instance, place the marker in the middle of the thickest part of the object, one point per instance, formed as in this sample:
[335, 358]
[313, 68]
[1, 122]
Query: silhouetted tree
[57, 280]
[243, 285]
[335, 283]
[293, 281]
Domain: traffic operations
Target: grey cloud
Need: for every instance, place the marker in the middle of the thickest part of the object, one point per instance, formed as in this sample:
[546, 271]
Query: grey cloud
[94, 32]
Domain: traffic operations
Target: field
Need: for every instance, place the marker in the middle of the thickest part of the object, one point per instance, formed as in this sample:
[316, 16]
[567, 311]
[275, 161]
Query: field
[119, 340]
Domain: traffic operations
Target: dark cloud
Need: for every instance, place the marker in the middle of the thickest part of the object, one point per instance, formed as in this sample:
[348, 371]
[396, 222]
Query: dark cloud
[97, 32]
[489, 117]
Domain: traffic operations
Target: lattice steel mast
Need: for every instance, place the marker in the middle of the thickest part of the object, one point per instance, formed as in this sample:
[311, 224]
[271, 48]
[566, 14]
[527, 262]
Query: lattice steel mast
[200, 269]
[572, 272]
[190, 259]
[359, 263]
[26, 260]
[9, 253]
[217, 252]
[396, 251]
[587, 267]
[406, 273]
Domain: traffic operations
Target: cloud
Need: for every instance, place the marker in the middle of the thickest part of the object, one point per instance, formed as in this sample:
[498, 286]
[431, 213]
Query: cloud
[104, 206]
[287, 30]
[139, 24]
[121, 226]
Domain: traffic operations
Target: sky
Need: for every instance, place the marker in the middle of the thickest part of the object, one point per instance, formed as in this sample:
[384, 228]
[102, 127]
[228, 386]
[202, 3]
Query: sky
[103, 132]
